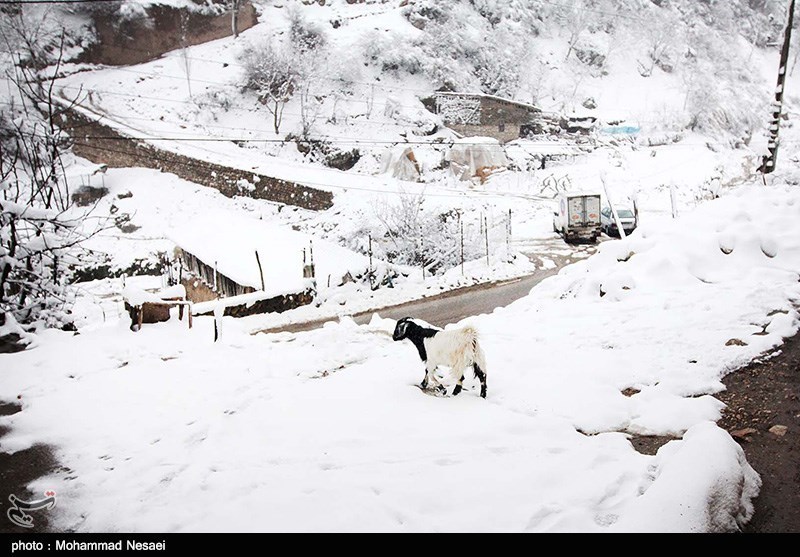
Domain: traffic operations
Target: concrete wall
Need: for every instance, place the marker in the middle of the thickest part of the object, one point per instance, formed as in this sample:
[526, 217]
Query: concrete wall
[103, 145]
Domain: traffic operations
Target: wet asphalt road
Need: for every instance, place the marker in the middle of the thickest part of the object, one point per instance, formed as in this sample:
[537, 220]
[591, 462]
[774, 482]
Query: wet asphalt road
[549, 255]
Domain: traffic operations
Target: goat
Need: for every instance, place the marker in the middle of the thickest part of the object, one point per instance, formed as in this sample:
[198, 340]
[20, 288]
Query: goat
[456, 348]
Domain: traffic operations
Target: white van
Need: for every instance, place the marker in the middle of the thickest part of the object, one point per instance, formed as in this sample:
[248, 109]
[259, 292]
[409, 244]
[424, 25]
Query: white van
[578, 216]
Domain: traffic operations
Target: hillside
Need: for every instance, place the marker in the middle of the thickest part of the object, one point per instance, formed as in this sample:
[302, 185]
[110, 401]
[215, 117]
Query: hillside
[693, 80]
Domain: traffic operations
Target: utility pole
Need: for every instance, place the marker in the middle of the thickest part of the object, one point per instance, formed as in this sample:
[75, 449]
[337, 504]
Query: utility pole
[769, 161]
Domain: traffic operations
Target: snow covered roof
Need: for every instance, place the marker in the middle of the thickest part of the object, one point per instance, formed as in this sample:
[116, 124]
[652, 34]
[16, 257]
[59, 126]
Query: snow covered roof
[136, 296]
[231, 245]
[491, 97]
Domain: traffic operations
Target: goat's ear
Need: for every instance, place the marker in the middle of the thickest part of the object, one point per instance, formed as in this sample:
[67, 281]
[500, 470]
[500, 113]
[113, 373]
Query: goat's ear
[400, 329]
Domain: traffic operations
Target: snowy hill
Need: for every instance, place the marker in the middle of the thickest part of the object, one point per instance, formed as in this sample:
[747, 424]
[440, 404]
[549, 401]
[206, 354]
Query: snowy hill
[178, 429]
[694, 79]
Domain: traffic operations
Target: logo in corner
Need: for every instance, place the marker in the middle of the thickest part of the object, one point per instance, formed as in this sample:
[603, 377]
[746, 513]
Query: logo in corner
[18, 513]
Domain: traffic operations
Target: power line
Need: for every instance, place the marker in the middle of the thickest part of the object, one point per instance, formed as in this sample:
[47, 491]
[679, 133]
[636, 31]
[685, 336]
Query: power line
[199, 103]
[342, 140]
[304, 182]
[20, 2]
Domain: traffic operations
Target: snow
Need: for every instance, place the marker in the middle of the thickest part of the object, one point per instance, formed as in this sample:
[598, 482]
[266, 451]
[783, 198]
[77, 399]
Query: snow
[471, 154]
[165, 430]
[248, 300]
[136, 296]
[214, 239]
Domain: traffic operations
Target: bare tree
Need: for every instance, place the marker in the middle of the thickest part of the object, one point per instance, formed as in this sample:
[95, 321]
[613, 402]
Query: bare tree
[41, 233]
[277, 73]
[662, 35]
[311, 64]
[270, 72]
[576, 20]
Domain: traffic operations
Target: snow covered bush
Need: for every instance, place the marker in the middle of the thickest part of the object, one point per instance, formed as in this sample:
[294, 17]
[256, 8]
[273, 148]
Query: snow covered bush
[305, 36]
[412, 230]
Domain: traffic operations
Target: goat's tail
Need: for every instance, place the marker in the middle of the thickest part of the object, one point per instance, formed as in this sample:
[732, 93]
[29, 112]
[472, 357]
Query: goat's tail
[479, 360]
[473, 341]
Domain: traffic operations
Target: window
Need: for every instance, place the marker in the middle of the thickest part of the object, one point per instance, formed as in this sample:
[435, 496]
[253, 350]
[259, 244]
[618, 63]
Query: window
[501, 128]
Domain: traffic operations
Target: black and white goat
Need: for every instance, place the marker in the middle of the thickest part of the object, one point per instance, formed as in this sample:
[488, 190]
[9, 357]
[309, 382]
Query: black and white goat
[454, 348]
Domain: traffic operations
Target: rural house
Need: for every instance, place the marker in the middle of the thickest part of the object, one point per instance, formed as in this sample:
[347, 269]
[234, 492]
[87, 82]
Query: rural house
[489, 116]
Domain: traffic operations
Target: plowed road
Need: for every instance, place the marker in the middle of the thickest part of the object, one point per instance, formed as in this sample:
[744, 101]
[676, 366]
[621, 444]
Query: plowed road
[455, 305]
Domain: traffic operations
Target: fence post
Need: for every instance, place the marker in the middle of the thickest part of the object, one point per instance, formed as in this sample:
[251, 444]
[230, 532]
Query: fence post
[371, 281]
[311, 253]
[421, 253]
[508, 232]
[461, 230]
[260, 270]
[673, 201]
[486, 237]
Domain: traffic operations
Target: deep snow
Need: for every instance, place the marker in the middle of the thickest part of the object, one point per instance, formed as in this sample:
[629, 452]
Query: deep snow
[164, 430]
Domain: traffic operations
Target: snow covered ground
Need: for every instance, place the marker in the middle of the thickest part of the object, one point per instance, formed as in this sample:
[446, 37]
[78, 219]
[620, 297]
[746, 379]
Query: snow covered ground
[164, 430]
[157, 212]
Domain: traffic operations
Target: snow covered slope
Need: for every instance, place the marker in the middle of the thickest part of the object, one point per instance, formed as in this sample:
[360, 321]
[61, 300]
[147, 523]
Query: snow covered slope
[325, 430]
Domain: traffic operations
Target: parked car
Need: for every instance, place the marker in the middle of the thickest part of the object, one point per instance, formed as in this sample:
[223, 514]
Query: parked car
[626, 216]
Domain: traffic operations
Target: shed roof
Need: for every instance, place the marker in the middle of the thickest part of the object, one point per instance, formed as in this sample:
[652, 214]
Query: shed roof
[491, 97]
[232, 245]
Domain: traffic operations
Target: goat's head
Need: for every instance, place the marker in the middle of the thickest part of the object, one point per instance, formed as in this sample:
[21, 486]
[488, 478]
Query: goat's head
[401, 329]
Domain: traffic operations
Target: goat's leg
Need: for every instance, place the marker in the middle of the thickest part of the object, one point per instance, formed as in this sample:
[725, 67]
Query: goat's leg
[480, 374]
[458, 385]
[429, 377]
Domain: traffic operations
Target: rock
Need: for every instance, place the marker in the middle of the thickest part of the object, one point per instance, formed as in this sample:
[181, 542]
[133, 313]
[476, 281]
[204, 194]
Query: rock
[743, 433]
[343, 160]
[735, 342]
[88, 195]
[779, 430]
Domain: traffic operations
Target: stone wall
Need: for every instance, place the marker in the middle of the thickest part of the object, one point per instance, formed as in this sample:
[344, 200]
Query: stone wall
[509, 132]
[486, 116]
[198, 291]
[122, 42]
[497, 111]
[104, 145]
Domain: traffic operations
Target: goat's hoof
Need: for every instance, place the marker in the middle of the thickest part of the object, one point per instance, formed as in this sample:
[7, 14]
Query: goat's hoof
[440, 389]
[457, 390]
[483, 393]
